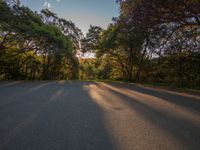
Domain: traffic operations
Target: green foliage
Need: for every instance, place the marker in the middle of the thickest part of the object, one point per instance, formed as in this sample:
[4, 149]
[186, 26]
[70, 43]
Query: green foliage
[154, 41]
[32, 48]
[150, 41]
[89, 43]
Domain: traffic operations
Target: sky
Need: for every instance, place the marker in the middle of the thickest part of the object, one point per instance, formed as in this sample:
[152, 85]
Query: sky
[82, 12]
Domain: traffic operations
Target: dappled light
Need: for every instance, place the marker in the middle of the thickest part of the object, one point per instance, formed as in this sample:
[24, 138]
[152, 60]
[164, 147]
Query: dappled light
[99, 75]
[158, 103]
[52, 111]
[39, 87]
[97, 115]
[115, 100]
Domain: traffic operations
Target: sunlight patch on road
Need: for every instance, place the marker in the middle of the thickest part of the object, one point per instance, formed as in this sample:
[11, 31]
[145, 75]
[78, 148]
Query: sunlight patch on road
[39, 87]
[11, 83]
[158, 103]
[61, 82]
[121, 118]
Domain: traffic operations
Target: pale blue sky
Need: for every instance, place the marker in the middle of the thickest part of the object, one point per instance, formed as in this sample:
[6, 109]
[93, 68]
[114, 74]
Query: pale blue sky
[81, 12]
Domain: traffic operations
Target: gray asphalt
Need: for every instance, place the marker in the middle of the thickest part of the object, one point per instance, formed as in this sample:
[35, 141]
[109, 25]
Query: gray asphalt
[72, 115]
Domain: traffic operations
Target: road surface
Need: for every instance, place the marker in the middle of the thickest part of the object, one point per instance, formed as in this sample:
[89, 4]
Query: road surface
[72, 115]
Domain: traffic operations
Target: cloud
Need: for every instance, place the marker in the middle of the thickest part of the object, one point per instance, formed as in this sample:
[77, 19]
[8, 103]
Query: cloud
[58, 0]
[47, 5]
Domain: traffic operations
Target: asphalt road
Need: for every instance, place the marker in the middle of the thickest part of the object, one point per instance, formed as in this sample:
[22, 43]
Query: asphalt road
[74, 115]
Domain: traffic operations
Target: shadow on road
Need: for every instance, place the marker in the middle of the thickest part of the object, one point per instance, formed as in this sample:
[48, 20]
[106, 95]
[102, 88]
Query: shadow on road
[188, 101]
[54, 116]
[83, 115]
[184, 130]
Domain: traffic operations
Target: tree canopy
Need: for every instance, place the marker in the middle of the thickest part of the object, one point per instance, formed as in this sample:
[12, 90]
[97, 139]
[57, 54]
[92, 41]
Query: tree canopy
[150, 41]
[49, 41]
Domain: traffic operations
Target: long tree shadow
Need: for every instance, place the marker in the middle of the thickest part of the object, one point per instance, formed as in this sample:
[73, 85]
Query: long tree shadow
[184, 130]
[59, 116]
[191, 102]
[20, 104]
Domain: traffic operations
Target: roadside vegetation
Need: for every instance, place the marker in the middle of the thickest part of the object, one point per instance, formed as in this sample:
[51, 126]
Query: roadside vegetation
[149, 42]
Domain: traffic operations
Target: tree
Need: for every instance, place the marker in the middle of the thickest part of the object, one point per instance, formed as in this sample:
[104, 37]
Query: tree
[89, 43]
[25, 33]
[171, 28]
